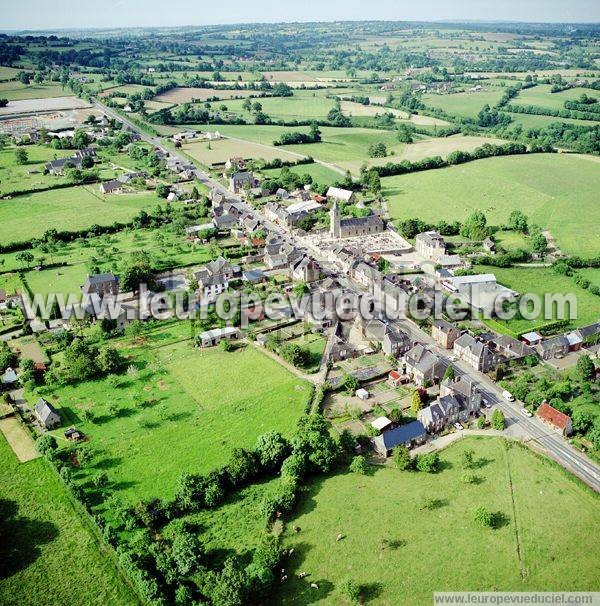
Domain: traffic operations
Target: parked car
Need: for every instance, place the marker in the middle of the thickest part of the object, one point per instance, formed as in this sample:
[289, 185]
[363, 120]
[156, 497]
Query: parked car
[458, 426]
[508, 396]
[452, 358]
[526, 412]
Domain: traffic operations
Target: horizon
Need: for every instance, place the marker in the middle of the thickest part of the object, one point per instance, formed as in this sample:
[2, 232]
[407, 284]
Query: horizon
[117, 14]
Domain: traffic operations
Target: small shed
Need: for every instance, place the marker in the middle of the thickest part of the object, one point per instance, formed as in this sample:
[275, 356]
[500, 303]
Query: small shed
[381, 423]
[362, 394]
[531, 338]
[9, 377]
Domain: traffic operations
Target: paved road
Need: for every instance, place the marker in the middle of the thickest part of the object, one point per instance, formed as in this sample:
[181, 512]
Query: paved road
[556, 447]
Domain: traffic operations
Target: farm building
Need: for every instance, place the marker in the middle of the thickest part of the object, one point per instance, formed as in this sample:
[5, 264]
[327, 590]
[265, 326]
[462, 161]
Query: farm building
[210, 338]
[408, 435]
[557, 420]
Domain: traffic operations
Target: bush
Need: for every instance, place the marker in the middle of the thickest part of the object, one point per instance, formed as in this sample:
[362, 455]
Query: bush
[46, 444]
[483, 516]
[401, 458]
[498, 420]
[429, 462]
[350, 589]
[359, 465]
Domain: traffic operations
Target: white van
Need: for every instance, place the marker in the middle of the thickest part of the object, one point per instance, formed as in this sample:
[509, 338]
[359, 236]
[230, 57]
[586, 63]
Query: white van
[508, 396]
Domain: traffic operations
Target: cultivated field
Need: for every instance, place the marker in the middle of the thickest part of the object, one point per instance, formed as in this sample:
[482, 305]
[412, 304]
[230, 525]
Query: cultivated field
[182, 409]
[349, 108]
[70, 209]
[384, 550]
[540, 185]
[50, 554]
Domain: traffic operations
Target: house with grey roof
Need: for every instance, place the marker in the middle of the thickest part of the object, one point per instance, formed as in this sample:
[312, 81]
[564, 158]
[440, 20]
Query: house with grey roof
[305, 269]
[444, 333]
[424, 366]
[431, 245]
[46, 414]
[213, 279]
[552, 348]
[475, 352]
[114, 186]
[101, 284]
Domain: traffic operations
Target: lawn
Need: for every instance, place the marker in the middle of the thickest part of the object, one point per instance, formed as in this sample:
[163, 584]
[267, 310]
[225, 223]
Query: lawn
[540, 185]
[400, 552]
[66, 280]
[50, 556]
[197, 406]
[540, 280]
[315, 344]
[592, 274]
[69, 209]
[466, 105]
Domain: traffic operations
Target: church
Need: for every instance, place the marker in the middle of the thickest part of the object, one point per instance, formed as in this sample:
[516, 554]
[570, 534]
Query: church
[353, 226]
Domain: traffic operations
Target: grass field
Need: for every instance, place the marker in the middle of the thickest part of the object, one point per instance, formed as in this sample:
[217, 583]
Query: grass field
[15, 91]
[400, 552]
[218, 152]
[15, 177]
[466, 105]
[540, 280]
[69, 209]
[49, 555]
[340, 145]
[541, 95]
[303, 105]
[535, 121]
[65, 280]
[199, 404]
[320, 174]
[425, 148]
[593, 275]
[539, 185]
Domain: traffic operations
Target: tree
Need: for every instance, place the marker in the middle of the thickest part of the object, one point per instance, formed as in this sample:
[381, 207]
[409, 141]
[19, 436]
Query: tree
[241, 466]
[137, 271]
[359, 465]
[350, 383]
[429, 462]
[498, 420]
[483, 516]
[449, 375]
[468, 457]
[271, 448]
[109, 361]
[294, 354]
[539, 244]
[247, 105]
[481, 422]
[350, 589]
[377, 150]
[162, 190]
[517, 221]
[585, 368]
[475, 227]
[228, 587]
[416, 403]
[313, 442]
[300, 288]
[186, 552]
[21, 155]
[401, 457]
[404, 134]
[46, 444]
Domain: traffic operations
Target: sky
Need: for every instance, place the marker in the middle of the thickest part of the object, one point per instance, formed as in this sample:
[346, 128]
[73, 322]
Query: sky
[64, 14]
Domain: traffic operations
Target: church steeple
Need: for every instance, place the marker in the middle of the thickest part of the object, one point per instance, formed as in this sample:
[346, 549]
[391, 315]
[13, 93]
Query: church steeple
[334, 220]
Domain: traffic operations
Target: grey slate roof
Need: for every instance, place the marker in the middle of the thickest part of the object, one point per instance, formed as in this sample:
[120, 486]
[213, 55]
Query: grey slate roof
[400, 435]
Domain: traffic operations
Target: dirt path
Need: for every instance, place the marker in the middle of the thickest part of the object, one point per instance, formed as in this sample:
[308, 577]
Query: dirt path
[553, 248]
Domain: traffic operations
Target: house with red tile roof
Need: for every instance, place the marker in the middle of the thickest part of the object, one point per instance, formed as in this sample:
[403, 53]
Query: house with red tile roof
[557, 420]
